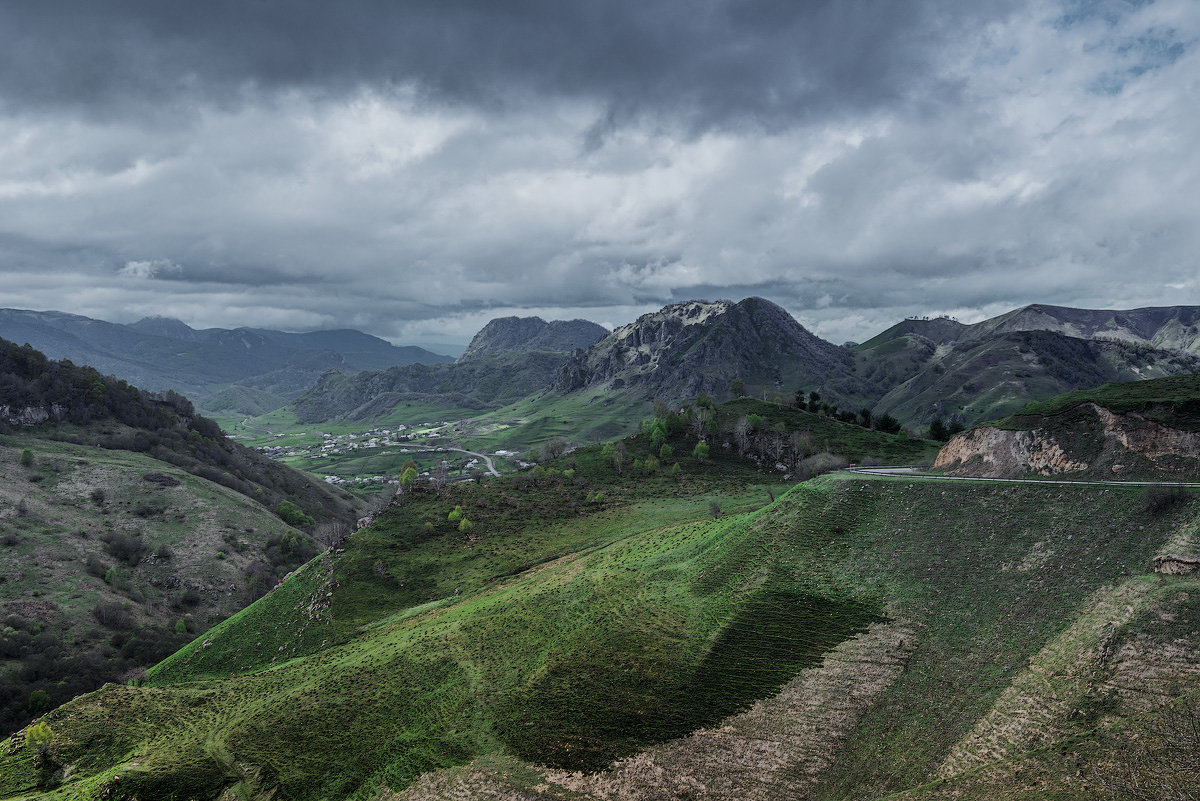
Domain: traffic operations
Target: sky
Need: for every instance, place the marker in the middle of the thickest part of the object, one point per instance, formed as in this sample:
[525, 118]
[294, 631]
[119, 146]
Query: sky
[414, 168]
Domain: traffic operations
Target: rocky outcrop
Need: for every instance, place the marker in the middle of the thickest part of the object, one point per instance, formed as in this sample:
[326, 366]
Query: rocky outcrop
[997, 453]
[1106, 444]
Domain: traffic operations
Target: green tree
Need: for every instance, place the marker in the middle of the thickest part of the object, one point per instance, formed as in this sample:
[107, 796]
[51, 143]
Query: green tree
[937, 430]
[737, 387]
[408, 478]
[665, 452]
[703, 401]
[887, 424]
[700, 451]
[39, 735]
[27, 457]
[293, 515]
[658, 432]
[456, 514]
[676, 469]
[465, 526]
[814, 401]
[180, 627]
[39, 702]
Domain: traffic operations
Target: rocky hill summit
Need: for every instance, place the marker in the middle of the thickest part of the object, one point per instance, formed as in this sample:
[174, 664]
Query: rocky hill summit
[688, 348]
[1134, 430]
[509, 334]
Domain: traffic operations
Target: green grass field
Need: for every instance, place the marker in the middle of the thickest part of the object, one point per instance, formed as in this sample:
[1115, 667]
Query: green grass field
[1173, 401]
[567, 632]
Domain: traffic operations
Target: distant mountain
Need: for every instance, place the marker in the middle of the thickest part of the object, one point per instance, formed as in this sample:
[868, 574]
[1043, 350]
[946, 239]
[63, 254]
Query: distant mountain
[689, 348]
[516, 334]
[509, 359]
[925, 369]
[160, 353]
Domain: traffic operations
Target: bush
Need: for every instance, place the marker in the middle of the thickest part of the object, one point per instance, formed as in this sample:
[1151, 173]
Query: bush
[292, 515]
[456, 514]
[112, 614]
[127, 548]
[700, 451]
[27, 458]
[1160, 500]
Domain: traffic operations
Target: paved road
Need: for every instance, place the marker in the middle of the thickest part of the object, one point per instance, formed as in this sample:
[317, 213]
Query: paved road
[918, 472]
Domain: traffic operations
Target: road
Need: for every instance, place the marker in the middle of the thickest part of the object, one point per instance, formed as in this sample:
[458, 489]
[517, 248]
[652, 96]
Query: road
[486, 459]
[917, 472]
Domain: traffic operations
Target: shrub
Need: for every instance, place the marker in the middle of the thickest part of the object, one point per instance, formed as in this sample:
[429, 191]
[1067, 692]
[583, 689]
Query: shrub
[27, 458]
[292, 515]
[465, 526]
[127, 548]
[98, 496]
[700, 451]
[1160, 500]
[112, 614]
[665, 452]
[456, 514]
[39, 734]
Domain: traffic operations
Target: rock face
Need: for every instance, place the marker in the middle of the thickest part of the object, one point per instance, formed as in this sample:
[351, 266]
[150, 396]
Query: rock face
[514, 334]
[1102, 444]
[997, 453]
[688, 348]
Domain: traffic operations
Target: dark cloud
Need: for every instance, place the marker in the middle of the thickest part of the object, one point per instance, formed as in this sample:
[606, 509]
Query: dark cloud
[714, 61]
[415, 168]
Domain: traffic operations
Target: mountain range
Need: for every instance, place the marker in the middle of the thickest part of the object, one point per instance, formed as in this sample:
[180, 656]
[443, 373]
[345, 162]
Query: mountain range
[917, 371]
[243, 370]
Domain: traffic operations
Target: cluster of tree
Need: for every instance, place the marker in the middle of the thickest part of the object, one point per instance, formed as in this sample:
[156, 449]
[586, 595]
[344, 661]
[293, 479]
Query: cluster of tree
[938, 430]
[812, 403]
[38, 672]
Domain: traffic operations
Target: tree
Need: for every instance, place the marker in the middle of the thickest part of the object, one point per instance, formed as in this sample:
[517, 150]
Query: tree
[703, 401]
[39, 736]
[293, 515]
[887, 424]
[737, 387]
[331, 534]
[658, 432]
[814, 401]
[665, 452]
[465, 526]
[456, 514]
[937, 430]
[39, 702]
[554, 448]
[408, 478]
[27, 458]
[864, 414]
[700, 451]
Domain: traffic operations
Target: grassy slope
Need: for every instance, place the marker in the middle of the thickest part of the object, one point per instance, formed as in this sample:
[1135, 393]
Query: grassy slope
[1173, 401]
[570, 636]
[210, 534]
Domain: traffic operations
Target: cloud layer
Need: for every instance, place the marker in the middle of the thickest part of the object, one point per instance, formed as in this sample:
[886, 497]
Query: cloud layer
[414, 169]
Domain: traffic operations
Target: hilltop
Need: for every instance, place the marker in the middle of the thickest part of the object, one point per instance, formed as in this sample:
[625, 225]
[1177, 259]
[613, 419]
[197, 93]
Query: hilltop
[1141, 429]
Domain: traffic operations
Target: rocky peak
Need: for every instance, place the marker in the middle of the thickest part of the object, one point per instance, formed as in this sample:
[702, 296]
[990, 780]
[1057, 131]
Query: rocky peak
[514, 334]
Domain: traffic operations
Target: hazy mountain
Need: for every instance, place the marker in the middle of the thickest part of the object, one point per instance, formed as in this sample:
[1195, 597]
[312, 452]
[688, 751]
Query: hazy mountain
[514, 334]
[160, 353]
[509, 359]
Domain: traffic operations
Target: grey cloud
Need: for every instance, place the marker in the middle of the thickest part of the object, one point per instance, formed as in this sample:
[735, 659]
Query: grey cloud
[717, 61]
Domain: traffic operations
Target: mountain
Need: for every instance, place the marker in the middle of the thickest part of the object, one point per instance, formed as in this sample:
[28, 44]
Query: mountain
[509, 359]
[698, 347]
[1147, 430]
[127, 521]
[1162, 327]
[160, 353]
[602, 629]
[517, 334]
[993, 375]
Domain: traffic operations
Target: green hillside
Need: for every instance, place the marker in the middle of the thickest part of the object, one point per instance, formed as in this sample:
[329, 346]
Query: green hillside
[1173, 401]
[939, 628]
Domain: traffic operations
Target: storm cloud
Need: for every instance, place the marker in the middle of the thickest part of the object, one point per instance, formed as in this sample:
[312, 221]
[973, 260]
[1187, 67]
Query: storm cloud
[415, 168]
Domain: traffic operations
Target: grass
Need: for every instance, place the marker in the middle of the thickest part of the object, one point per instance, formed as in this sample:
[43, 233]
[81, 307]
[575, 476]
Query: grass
[574, 635]
[1174, 401]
